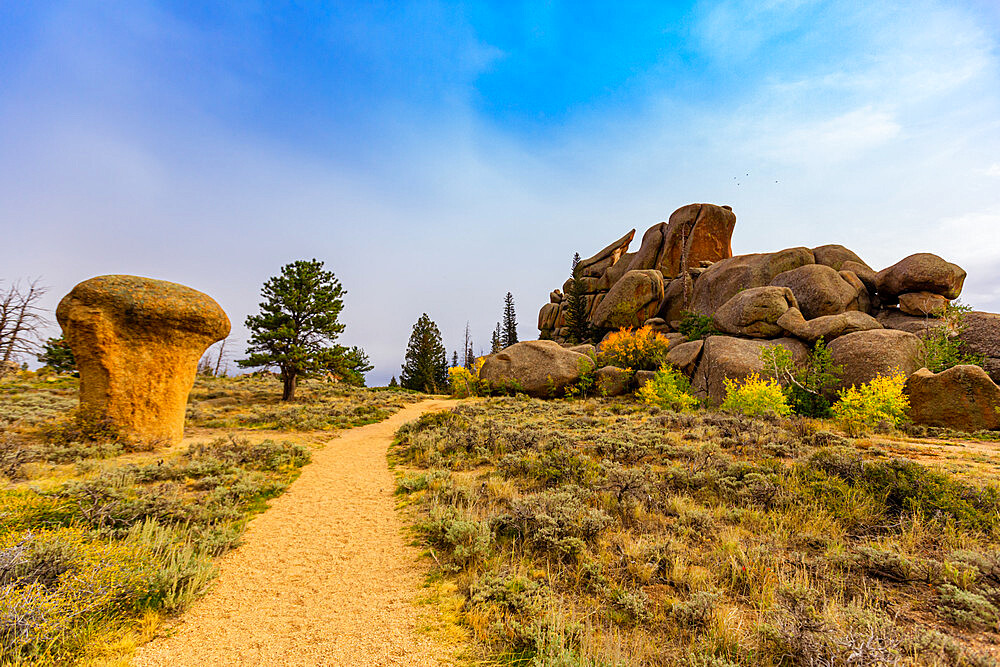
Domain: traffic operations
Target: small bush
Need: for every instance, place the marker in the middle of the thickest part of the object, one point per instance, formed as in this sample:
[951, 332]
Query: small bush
[85, 424]
[941, 347]
[756, 396]
[637, 349]
[880, 403]
[668, 389]
[695, 326]
[463, 382]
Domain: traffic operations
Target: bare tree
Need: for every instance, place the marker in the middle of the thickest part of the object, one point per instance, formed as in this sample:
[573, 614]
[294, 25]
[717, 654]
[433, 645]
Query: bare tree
[21, 318]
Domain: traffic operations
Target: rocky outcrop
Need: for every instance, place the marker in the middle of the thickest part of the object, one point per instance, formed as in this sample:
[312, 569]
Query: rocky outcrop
[597, 266]
[539, 368]
[835, 256]
[685, 356]
[819, 290]
[893, 318]
[137, 342]
[633, 300]
[981, 336]
[725, 279]
[963, 398]
[701, 232]
[922, 304]
[863, 355]
[754, 313]
[734, 358]
[922, 272]
[827, 327]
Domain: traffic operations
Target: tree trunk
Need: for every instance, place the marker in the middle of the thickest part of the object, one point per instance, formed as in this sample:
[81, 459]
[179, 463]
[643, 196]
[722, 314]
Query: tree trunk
[289, 381]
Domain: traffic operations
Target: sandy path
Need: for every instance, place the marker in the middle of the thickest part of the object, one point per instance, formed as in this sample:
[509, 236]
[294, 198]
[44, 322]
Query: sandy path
[324, 577]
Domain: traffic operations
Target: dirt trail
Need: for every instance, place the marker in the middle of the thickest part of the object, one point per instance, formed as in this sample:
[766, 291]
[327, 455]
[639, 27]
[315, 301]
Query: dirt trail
[324, 577]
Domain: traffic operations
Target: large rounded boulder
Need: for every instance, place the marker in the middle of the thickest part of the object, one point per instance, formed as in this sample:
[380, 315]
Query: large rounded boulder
[981, 335]
[726, 278]
[819, 290]
[725, 357]
[137, 342]
[755, 312]
[922, 304]
[827, 327]
[540, 368]
[631, 301]
[699, 232]
[963, 398]
[835, 256]
[863, 355]
[922, 272]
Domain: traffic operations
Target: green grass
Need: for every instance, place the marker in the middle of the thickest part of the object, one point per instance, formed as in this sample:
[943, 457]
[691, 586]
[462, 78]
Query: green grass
[603, 532]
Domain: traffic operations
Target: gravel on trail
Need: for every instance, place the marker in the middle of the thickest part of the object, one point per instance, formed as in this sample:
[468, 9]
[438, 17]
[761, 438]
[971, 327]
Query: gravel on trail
[324, 577]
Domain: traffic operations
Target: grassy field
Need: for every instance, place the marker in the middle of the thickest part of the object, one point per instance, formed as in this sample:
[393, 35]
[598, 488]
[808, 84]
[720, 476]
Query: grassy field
[101, 538]
[606, 532]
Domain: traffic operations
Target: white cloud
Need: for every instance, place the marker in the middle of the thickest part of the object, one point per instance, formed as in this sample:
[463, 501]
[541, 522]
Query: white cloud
[993, 170]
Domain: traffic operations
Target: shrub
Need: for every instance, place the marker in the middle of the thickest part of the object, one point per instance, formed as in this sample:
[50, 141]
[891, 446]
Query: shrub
[808, 383]
[638, 349]
[695, 326]
[879, 403]
[87, 423]
[941, 348]
[464, 382]
[756, 396]
[668, 389]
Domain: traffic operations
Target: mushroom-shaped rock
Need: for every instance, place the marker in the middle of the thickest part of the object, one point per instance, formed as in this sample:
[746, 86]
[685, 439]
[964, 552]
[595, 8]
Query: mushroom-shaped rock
[922, 272]
[819, 290]
[540, 368]
[922, 304]
[735, 358]
[725, 278]
[633, 300]
[755, 312]
[963, 398]
[137, 342]
[827, 327]
[863, 355]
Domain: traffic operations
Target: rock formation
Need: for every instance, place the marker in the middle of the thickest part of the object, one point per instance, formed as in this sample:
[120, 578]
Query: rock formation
[137, 342]
[540, 368]
[962, 398]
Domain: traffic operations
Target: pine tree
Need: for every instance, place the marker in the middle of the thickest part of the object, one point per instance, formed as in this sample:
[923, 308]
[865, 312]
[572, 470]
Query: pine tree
[297, 326]
[576, 306]
[425, 367]
[508, 335]
[469, 353]
[393, 382]
[454, 358]
[497, 343]
[57, 355]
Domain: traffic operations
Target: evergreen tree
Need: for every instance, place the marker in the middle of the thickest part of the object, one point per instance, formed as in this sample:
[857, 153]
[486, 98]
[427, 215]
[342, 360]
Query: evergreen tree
[470, 354]
[297, 327]
[392, 382]
[454, 359]
[576, 306]
[508, 336]
[497, 343]
[57, 355]
[425, 367]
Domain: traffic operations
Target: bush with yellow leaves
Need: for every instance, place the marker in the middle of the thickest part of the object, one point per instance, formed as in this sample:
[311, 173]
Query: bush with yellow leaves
[465, 383]
[639, 349]
[755, 396]
[668, 389]
[879, 404]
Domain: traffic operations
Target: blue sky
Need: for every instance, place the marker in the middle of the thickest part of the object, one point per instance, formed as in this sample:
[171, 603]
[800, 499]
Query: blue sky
[437, 155]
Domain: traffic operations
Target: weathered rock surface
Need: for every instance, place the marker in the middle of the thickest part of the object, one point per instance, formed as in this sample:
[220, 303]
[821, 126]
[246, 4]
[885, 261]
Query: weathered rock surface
[922, 304]
[548, 316]
[586, 348]
[612, 381]
[963, 398]
[982, 336]
[892, 318]
[819, 290]
[684, 356]
[137, 342]
[734, 358]
[596, 266]
[726, 278]
[835, 256]
[539, 368]
[704, 231]
[922, 272]
[754, 312]
[633, 300]
[827, 327]
[866, 354]
[864, 272]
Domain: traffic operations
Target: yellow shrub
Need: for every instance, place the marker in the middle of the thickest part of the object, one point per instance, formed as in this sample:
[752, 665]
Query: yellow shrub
[639, 349]
[880, 402]
[756, 396]
[463, 383]
[668, 389]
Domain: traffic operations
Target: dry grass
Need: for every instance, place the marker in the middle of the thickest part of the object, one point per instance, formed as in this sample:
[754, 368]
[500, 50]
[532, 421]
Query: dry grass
[602, 532]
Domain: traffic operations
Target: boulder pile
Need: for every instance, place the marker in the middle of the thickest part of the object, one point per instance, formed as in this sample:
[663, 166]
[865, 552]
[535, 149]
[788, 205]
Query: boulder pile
[871, 320]
[137, 342]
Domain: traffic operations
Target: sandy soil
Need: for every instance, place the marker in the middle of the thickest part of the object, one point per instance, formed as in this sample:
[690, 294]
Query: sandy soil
[324, 577]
